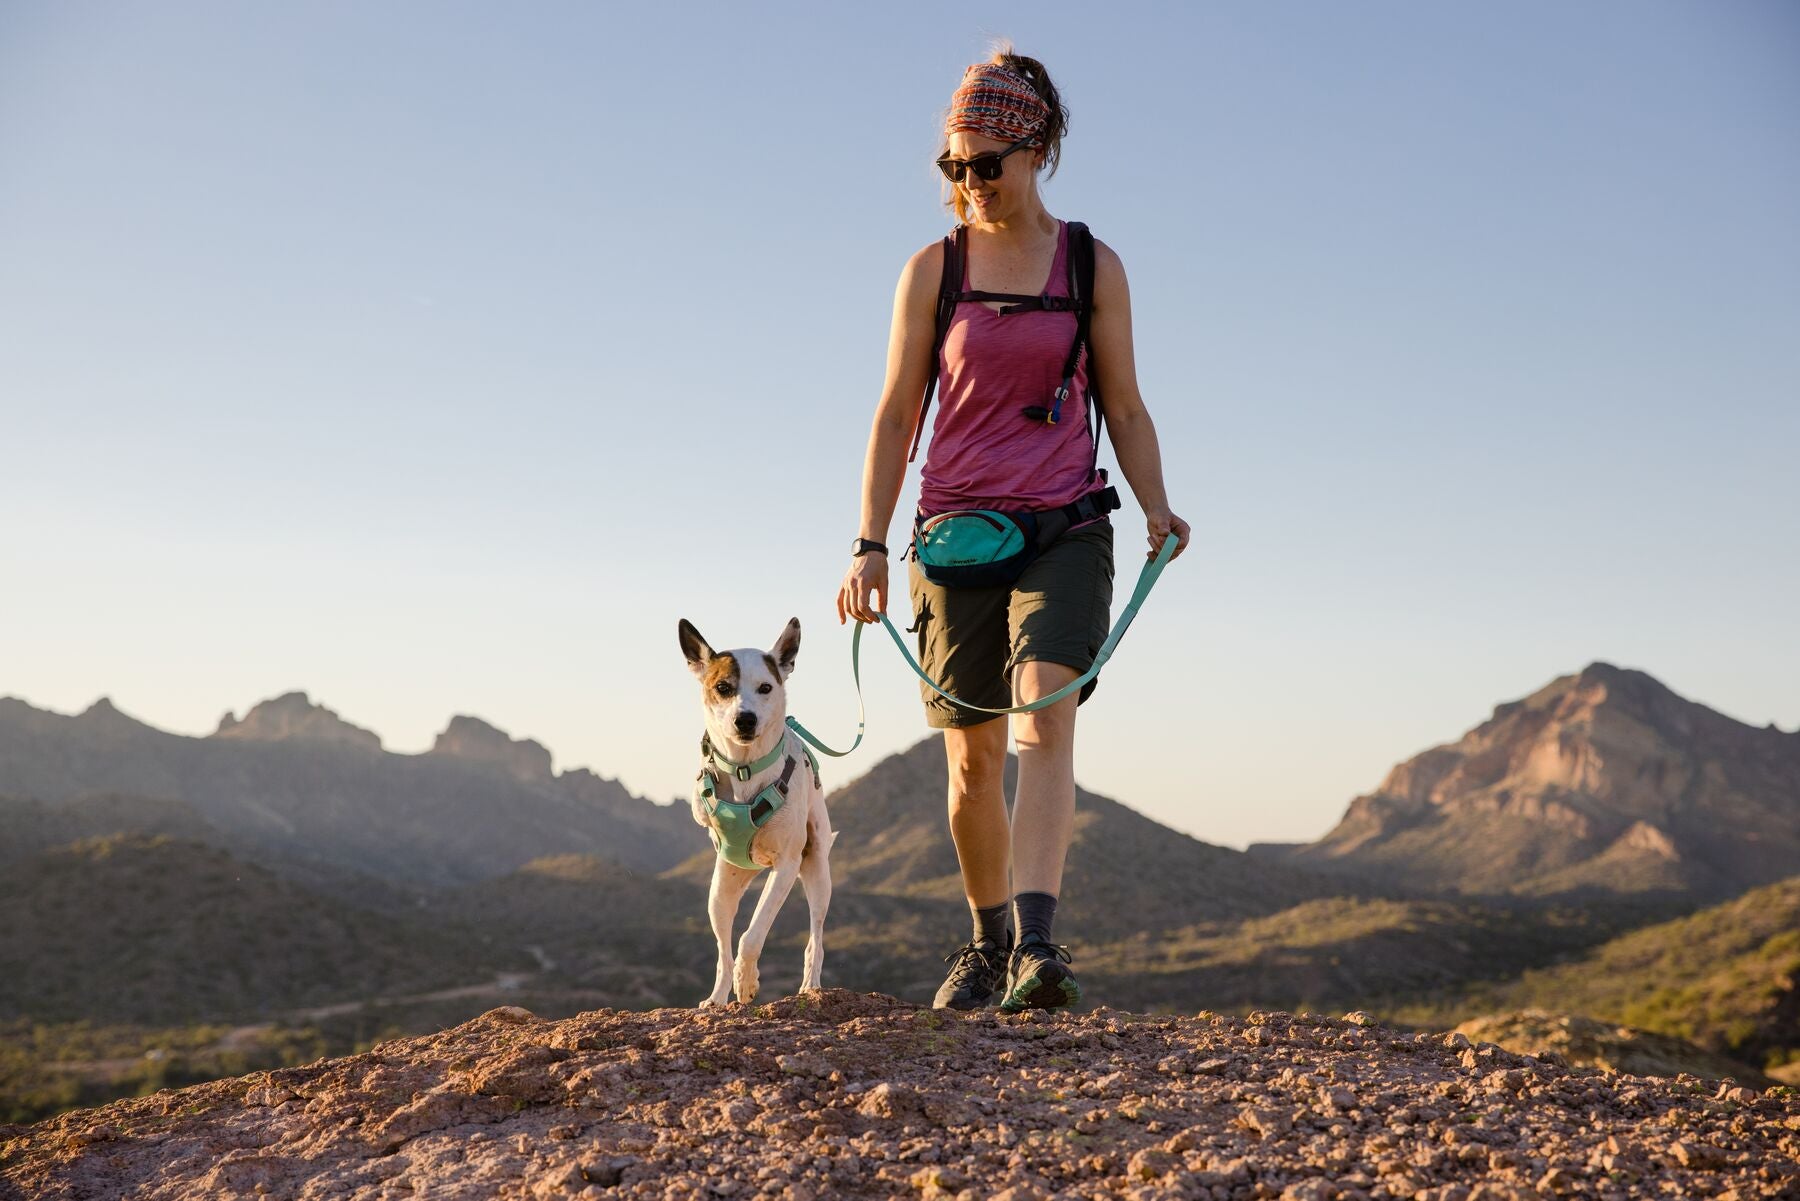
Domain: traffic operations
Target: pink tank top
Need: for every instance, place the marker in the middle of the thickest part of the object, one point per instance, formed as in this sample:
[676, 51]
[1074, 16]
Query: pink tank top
[985, 453]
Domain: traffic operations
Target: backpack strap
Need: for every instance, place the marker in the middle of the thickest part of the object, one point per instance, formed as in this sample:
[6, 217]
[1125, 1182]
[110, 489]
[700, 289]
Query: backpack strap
[956, 249]
[1024, 304]
[1081, 286]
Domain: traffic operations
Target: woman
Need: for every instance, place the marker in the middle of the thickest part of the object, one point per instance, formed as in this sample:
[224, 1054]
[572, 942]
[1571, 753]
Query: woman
[1007, 645]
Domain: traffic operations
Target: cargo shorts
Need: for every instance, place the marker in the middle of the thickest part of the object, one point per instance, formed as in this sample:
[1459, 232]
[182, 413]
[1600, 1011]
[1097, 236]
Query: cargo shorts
[970, 639]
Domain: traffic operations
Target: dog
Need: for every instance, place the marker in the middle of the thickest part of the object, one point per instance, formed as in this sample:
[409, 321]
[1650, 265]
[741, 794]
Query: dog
[744, 694]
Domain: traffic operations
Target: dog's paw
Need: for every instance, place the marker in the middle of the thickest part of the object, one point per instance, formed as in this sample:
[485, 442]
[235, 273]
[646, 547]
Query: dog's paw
[744, 982]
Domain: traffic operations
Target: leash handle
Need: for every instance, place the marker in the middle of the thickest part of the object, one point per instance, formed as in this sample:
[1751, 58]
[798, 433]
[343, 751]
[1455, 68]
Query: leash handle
[856, 675]
[1146, 581]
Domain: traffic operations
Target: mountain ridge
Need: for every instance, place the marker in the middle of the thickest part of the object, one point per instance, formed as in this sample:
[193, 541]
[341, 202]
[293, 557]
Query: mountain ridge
[293, 782]
[1600, 780]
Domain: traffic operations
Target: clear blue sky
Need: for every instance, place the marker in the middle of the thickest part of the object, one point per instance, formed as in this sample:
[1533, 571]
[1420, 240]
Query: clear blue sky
[435, 358]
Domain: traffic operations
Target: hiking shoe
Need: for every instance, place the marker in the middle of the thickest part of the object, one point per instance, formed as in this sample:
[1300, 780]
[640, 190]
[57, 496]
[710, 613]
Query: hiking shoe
[977, 968]
[1037, 979]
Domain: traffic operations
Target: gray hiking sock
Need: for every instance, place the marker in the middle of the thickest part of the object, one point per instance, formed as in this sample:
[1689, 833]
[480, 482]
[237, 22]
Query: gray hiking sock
[990, 923]
[1032, 914]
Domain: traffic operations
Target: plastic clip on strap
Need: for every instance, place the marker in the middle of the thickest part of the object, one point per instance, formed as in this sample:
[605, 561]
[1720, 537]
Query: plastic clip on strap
[1146, 581]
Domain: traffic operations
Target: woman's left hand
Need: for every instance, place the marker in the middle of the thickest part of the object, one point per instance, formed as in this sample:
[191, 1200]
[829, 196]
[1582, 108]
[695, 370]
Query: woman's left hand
[1161, 524]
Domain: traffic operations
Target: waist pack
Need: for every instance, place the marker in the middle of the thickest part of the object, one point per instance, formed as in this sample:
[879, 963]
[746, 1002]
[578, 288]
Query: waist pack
[989, 548]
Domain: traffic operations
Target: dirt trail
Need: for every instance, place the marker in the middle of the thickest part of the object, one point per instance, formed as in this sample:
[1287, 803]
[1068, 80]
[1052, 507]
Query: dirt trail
[853, 1095]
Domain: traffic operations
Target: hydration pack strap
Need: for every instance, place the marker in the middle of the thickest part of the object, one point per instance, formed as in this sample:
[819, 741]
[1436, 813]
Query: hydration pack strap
[1023, 304]
[949, 289]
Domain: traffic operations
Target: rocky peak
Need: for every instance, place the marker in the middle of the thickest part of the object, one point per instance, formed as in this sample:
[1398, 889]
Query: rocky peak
[107, 717]
[293, 716]
[921, 1103]
[1607, 757]
[103, 710]
[471, 738]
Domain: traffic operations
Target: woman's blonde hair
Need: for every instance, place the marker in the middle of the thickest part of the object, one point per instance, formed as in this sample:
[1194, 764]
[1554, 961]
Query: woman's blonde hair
[1050, 138]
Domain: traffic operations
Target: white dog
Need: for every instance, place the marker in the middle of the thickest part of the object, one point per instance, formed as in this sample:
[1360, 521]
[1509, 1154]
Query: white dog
[758, 794]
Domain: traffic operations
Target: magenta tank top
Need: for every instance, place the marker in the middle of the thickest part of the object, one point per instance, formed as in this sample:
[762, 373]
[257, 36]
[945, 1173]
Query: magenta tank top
[985, 453]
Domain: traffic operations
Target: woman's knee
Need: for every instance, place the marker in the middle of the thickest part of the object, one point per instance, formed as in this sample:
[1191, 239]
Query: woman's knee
[1054, 725]
[976, 756]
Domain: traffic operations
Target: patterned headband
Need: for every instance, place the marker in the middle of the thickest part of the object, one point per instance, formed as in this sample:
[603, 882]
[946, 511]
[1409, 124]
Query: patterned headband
[996, 103]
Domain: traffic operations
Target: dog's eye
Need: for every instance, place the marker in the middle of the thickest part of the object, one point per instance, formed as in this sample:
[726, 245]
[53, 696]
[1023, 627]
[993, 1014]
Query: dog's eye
[722, 688]
[766, 689]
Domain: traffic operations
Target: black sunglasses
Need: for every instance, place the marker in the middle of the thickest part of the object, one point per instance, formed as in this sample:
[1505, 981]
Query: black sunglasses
[986, 166]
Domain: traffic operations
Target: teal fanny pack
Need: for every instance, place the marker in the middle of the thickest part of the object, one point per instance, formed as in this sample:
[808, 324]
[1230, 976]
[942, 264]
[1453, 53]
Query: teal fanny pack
[987, 548]
[975, 548]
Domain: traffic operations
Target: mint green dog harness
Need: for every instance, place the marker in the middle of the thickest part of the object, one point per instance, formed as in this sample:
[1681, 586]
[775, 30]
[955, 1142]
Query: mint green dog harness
[733, 823]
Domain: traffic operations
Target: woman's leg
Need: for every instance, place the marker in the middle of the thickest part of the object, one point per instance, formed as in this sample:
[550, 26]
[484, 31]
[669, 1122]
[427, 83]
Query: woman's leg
[1043, 824]
[977, 759]
[1043, 820]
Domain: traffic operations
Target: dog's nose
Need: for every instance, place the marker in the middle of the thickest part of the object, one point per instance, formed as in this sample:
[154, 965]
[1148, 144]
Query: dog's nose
[746, 723]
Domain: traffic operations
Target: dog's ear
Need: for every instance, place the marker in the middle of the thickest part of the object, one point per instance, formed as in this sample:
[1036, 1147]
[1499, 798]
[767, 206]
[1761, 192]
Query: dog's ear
[694, 647]
[787, 647]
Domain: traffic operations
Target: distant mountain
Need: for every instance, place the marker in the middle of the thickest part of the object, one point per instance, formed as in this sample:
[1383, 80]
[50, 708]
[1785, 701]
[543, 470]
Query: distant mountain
[148, 930]
[597, 925]
[1727, 978]
[29, 828]
[292, 715]
[1603, 781]
[294, 784]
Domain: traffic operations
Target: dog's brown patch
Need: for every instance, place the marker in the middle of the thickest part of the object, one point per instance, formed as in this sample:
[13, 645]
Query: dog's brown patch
[722, 666]
[774, 667]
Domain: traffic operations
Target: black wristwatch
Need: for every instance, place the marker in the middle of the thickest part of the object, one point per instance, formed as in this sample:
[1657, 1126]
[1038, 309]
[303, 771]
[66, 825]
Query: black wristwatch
[863, 546]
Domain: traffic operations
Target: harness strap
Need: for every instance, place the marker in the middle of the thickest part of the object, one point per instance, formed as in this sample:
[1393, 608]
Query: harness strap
[759, 806]
[740, 771]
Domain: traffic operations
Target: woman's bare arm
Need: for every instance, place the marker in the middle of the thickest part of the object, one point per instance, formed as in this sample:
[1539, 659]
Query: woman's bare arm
[911, 339]
[1127, 420]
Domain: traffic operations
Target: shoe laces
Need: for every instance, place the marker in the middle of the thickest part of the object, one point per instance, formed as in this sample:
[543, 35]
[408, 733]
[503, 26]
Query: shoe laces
[971, 961]
[1046, 950]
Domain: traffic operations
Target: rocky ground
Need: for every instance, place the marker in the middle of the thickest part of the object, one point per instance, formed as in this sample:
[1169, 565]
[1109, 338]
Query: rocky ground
[1590, 1043]
[848, 1095]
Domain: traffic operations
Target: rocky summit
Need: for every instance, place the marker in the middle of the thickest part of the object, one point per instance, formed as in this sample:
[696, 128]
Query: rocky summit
[843, 1094]
[1604, 781]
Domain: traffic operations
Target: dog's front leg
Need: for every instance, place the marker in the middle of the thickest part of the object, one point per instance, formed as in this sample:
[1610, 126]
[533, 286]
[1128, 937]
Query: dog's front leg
[781, 879]
[728, 884]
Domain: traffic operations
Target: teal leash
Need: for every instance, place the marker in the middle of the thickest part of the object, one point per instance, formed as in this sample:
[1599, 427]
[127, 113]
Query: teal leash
[1146, 581]
[855, 674]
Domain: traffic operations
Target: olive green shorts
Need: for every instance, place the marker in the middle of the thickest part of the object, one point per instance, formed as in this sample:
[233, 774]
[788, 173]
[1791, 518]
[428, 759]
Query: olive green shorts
[970, 639]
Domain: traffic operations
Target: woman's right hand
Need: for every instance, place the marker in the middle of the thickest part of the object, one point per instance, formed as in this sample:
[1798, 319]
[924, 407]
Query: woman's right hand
[867, 578]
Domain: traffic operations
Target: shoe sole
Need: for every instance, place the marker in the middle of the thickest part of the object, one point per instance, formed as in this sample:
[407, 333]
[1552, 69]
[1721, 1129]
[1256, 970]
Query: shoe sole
[1052, 986]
